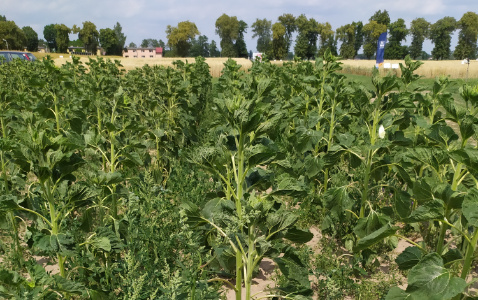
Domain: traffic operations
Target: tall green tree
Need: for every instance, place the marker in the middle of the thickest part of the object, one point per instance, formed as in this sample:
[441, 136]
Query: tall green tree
[381, 17]
[262, 29]
[467, 38]
[62, 37]
[377, 25]
[420, 30]
[154, 43]
[31, 38]
[199, 47]
[346, 35]
[213, 51]
[279, 41]
[179, 38]
[14, 36]
[120, 37]
[132, 45]
[3, 18]
[228, 30]
[306, 43]
[240, 44]
[150, 43]
[327, 39]
[372, 31]
[89, 35]
[144, 43]
[440, 35]
[76, 43]
[397, 33]
[108, 41]
[358, 36]
[288, 21]
[49, 33]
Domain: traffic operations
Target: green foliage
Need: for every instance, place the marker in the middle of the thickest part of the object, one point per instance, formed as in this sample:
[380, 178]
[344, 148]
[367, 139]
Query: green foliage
[213, 51]
[327, 41]
[62, 37]
[397, 33]
[31, 38]
[306, 43]
[262, 30]
[440, 34]
[468, 25]
[228, 30]
[346, 34]
[381, 17]
[279, 42]
[420, 30]
[14, 36]
[428, 279]
[89, 35]
[179, 38]
[288, 21]
[199, 47]
[121, 39]
[240, 43]
[108, 41]
[162, 183]
[372, 31]
[49, 33]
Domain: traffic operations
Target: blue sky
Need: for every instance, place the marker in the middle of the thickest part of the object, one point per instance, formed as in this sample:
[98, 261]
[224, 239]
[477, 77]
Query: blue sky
[142, 19]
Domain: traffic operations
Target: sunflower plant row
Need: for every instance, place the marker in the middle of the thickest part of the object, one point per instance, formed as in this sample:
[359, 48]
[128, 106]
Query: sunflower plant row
[162, 183]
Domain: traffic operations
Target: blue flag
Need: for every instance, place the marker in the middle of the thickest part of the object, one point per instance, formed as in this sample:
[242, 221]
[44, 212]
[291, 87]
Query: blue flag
[381, 49]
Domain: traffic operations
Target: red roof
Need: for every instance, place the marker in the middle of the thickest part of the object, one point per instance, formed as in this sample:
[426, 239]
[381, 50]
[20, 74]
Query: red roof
[159, 50]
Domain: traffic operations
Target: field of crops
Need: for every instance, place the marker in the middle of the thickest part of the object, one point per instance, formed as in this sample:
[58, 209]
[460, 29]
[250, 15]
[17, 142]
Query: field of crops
[429, 69]
[162, 183]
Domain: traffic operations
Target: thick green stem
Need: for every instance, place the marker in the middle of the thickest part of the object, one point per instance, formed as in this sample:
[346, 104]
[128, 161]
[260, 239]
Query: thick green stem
[365, 184]
[444, 226]
[457, 176]
[238, 275]
[61, 265]
[55, 227]
[469, 255]
[249, 268]
[373, 137]
[4, 169]
[330, 141]
[16, 240]
[441, 237]
[326, 179]
[322, 92]
[114, 205]
[240, 176]
[112, 152]
[434, 110]
[158, 154]
[57, 113]
[4, 173]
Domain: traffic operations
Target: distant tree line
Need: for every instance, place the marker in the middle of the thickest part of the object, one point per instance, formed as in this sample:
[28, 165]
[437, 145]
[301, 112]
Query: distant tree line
[273, 39]
[57, 37]
[112, 40]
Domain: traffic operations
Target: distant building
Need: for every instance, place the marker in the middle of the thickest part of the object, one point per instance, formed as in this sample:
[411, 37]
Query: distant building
[82, 51]
[143, 52]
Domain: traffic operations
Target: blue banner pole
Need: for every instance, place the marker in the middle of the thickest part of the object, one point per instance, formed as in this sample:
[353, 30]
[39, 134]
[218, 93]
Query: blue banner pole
[381, 49]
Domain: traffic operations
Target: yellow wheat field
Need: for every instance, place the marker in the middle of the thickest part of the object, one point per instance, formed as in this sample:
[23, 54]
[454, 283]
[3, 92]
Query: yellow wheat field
[429, 69]
[216, 64]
